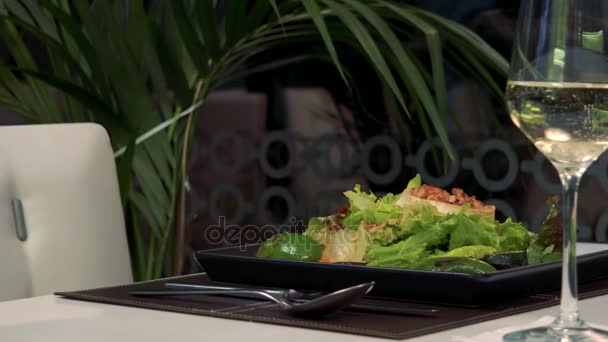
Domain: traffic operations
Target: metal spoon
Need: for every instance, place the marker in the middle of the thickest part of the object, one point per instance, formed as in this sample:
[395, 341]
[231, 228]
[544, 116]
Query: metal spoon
[317, 307]
[297, 296]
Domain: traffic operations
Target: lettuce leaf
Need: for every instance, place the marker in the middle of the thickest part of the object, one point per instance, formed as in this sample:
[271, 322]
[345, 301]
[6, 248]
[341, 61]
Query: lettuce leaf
[546, 246]
[376, 213]
[551, 230]
[381, 234]
[400, 255]
[408, 252]
[416, 218]
[539, 253]
[414, 182]
[366, 207]
[389, 198]
[476, 252]
[359, 200]
[433, 236]
[469, 230]
[512, 236]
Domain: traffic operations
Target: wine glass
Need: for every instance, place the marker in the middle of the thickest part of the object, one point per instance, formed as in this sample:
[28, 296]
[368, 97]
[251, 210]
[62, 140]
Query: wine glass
[557, 95]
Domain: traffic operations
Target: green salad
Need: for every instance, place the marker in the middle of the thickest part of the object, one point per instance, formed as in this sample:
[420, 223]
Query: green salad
[417, 234]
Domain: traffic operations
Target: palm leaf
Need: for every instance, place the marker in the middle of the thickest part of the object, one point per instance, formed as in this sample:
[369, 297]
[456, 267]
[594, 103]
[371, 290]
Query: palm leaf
[410, 72]
[124, 167]
[435, 52]
[56, 48]
[172, 66]
[104, 113]
[194, 46]
[259, 15]
[234, 20]
[368, 44]
[90, 61]
[208, 26]
[140, 67]
[141, 45]
[24, 59]
[490, 55]
[313, 10]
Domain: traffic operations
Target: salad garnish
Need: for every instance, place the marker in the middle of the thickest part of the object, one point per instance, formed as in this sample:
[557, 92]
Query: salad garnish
[423, 228]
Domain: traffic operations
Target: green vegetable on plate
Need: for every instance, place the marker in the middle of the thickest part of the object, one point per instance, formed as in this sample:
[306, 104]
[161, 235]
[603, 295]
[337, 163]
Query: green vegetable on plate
[290, 246]
[505, 260]
[476, 252]
[546, 246]
[424, 228]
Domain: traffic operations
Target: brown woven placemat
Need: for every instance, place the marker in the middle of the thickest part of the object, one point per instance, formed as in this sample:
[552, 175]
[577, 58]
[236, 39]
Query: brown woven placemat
[354, 322]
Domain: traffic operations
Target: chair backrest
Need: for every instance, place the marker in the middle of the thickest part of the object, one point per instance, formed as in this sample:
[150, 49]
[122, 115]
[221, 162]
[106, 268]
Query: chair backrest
[64, 175]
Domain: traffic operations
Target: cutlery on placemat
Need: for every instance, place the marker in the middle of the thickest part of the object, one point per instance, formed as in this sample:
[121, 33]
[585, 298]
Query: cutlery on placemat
[319, 306]
[297, 296]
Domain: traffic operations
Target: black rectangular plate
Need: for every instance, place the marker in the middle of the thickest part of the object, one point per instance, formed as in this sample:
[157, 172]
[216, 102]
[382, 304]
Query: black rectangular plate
[239, 265]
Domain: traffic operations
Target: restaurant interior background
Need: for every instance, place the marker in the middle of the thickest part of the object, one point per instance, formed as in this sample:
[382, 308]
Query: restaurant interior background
[281, 146]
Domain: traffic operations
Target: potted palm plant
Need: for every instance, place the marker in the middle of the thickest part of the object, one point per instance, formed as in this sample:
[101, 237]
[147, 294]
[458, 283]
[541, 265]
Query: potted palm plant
[142, 69]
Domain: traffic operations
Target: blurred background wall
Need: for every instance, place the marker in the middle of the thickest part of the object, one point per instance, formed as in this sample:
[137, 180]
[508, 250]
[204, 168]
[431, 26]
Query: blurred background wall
[281, 146]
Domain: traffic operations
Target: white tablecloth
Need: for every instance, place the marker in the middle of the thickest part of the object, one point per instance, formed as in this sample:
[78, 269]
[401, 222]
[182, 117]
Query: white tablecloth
[50, 318]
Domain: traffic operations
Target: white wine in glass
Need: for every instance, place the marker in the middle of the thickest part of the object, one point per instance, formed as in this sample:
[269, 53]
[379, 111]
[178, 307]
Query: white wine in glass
[557, 95]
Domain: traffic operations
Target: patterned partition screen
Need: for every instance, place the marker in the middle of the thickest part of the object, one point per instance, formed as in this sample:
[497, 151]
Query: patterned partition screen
[258, 181]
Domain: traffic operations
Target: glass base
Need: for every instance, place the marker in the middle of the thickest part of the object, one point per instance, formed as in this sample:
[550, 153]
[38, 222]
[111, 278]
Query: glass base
[582, 333]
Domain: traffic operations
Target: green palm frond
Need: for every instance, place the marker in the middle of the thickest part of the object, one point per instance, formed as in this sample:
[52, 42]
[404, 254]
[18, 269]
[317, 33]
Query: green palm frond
[136, 66]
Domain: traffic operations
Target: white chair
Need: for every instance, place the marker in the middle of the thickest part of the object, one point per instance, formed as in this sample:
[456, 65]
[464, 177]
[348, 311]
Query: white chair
[64, 176]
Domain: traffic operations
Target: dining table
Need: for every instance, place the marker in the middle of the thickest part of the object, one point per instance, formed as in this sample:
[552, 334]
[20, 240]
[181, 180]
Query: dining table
[54, 318]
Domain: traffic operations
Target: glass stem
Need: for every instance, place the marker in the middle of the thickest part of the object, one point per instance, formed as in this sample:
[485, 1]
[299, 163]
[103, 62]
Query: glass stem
[569, 297]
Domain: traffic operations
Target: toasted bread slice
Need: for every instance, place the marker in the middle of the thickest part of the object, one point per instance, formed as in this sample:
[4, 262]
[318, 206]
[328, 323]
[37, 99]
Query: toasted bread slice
[443, 207]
